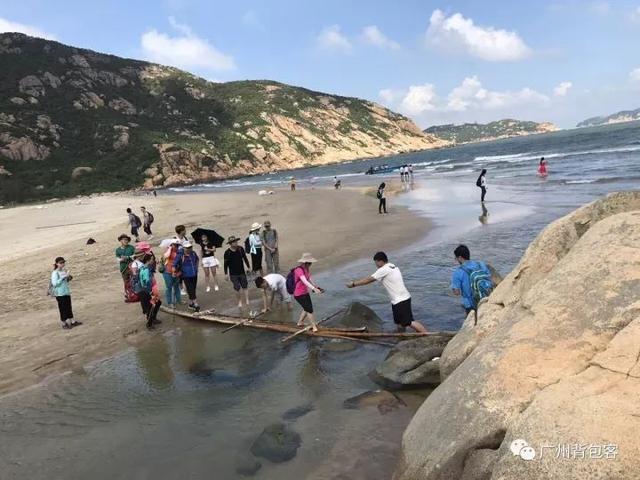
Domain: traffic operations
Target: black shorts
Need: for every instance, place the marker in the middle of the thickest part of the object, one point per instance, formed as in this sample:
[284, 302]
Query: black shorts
[402, 314]
[190, 284]
[239, 282]
[305, 302]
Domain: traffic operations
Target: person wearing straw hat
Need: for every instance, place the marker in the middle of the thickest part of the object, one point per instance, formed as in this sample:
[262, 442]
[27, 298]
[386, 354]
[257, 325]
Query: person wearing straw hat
[254, 244]
[391, 278]
[235, 259]
[304, 285]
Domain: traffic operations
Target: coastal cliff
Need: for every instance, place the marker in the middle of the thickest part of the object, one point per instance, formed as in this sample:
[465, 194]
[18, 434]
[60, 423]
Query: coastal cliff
[74, 121]
[485, 132]
[623, 116]
[553, 361]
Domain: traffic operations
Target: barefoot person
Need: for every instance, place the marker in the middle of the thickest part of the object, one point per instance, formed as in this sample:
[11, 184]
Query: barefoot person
[270, 248]
[59, 288]
[391, 278]
[272, 285]
[303, 285]
[542, 168]
[482, 184]
[187, 265]
[209, 263]
[235, 260]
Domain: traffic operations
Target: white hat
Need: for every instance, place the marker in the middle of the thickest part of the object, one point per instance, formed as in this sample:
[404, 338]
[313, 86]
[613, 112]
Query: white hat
[187, 245]
[255, 226]
[307, 258]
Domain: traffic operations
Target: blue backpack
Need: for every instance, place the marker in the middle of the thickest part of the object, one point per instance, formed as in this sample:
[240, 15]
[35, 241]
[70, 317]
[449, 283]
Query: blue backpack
[481, 284]
[291, 281]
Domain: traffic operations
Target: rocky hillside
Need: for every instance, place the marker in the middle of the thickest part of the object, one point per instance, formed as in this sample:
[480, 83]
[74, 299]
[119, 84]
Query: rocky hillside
[620, 117]
[552, 364]
[482, 132]
[75, 121]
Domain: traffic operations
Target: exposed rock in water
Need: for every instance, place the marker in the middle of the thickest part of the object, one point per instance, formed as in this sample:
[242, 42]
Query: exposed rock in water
[412, 363]
[383, 400]
[297, 412]
[359, 315]
[553, 360]
[277, 443]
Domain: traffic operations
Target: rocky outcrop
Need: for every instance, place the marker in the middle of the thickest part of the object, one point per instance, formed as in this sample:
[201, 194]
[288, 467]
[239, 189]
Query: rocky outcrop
[88, 100]
[31, 85]
[80, 171]
[123, 106]
[120, 137]
[553, 361]
[23, 148]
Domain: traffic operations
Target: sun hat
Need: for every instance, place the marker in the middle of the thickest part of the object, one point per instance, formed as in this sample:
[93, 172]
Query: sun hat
[255, 226]
[307, 258]
[233, 239]
[187, 245]
[124, 235]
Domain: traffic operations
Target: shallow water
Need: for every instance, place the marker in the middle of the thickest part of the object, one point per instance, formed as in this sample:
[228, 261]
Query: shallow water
[189, 403]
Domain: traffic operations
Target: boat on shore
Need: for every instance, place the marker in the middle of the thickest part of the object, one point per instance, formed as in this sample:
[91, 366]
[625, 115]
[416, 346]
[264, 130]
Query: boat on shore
[381, 169]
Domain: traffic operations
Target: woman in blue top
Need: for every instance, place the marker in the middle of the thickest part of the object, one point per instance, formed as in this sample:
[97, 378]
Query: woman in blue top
[186, 266]
[60, 279]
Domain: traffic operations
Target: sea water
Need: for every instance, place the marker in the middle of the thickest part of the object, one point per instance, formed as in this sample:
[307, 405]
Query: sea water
[190, 402]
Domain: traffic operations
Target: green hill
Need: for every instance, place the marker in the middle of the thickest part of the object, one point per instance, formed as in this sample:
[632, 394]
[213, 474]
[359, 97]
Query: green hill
[619, 117]
[479, 132]
[73, 121]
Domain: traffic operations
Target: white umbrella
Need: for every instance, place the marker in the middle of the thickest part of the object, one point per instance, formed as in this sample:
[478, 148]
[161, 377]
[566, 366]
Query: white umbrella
[166, 242]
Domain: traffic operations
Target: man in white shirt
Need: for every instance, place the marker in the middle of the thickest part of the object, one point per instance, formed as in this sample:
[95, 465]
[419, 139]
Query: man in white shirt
[273, 283]
[391, 278]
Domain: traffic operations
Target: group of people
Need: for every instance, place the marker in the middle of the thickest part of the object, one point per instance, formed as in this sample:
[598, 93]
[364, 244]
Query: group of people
[406, 173]
[136, 223]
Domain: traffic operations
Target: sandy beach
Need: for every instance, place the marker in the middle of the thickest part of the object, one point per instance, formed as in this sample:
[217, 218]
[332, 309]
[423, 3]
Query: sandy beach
[336, 226]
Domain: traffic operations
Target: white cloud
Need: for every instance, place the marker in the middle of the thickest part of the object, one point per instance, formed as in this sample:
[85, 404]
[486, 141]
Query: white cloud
[9, 26]
[185, 50]
[470, 94]
[373, 36]
[419, 99]
[634, 75]
[635, 15]
[388, 95]
[332, 39]
[457, 33]
[562, 89]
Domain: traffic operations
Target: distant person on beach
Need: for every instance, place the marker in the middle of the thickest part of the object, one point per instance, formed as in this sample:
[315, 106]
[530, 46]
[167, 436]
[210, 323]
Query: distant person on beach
[59, 288]
[124, 255]
[148, 301]
[171, 277]
[235, 260]
[155, 194]
[481, 182]
[337, 183]
[402, 173]
[186, 265]
[135, 222]
[270, 247]
[382, 200]
[471, 280]
[542, 168]
[411, 171]
[209, 263]
[271, 285]
[147, 220]
[293, 184]
[304, 285]
[254, 245]
[391, 278]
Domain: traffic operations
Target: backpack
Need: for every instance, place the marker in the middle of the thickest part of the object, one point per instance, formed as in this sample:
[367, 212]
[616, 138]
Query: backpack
[291, 281]
[50, 290]
[379, 194]
[150, 217]
[479, 181]
[136, 286]
[481, 284]
[247, 245]
[137, 219]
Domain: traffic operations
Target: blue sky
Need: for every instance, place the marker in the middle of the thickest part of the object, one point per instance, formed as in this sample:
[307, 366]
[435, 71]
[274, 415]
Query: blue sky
[437, 62]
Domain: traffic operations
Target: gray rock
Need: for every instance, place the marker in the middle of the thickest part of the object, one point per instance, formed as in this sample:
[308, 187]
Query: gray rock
[31, 85]
[18, 101]
[359, 315]
[411, 363]
[80, 171]
[247, 467]
[277, 443]
[383, 400]
[297, 412]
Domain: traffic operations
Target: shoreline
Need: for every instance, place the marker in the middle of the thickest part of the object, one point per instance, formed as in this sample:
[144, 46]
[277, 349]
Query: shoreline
[34, 346]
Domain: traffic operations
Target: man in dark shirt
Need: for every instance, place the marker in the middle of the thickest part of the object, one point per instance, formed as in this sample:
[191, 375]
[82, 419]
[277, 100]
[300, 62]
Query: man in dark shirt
[235, 259]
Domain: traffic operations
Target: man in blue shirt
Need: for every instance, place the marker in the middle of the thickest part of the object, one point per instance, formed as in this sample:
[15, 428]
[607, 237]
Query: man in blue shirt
[460, 280]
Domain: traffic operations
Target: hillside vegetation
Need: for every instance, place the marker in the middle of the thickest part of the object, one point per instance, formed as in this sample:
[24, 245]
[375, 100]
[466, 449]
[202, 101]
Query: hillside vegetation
[479, 132]
[619, 117]
[73, 121]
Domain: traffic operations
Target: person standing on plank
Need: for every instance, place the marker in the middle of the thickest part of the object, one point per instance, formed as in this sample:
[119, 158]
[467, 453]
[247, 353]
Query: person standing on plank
[303, 285]
[235, 260]
[270, 247]
[391, 278]
[59, 288]
[274, 284]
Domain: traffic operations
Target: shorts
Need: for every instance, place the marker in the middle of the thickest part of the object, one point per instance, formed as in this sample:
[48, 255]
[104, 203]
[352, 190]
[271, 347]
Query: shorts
[190, 284]
[402, 314]
[305, 302]
[210, 262]
[239, 282]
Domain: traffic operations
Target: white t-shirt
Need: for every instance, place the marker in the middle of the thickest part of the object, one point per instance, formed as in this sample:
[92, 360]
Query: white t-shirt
[277, 283]
[391, 279]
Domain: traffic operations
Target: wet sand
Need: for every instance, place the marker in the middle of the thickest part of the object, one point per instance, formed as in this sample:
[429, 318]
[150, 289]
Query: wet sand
[336, 226]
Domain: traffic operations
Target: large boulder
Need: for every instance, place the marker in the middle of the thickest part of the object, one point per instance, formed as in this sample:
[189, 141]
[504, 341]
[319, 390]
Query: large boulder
[277, 443]
[23, 148]
[412, 363]
[31, 85]
[553, 361]
[359, 315]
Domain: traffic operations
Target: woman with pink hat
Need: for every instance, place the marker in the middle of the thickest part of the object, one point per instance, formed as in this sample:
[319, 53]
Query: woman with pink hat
[303, 285]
